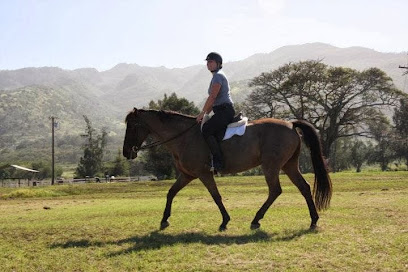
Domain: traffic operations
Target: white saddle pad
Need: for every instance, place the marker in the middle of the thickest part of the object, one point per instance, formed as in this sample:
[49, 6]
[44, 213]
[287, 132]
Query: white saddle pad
[231, 131]
[237, 128]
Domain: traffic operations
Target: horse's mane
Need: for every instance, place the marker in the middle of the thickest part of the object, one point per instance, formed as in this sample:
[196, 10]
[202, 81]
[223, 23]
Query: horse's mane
[174, 114]
[163, 114]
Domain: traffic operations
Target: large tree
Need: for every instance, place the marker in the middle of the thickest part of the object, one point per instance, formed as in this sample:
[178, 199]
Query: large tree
[91, 163]
[400, 119]
[336, 100]
[158, 160]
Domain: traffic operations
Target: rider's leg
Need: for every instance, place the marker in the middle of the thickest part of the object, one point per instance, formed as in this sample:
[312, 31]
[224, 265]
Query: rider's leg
[213, 132]
[218, 158]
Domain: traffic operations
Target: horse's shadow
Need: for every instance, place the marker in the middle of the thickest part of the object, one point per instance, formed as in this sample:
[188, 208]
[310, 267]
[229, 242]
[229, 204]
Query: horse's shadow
[156, 240]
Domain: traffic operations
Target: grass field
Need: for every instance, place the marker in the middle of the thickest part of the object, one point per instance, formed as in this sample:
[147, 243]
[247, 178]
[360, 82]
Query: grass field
[114, 227]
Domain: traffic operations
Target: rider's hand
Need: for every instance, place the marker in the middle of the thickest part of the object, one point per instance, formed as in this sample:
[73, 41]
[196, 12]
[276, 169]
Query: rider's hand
[200, 117]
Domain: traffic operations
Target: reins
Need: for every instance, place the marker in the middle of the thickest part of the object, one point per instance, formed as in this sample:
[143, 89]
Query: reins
[158, 143]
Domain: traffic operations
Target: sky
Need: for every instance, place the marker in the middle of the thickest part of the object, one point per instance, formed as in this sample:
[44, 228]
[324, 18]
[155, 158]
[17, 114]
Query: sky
[73, 34]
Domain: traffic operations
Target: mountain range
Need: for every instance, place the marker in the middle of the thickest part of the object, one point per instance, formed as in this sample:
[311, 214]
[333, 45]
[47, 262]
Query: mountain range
[29, 96]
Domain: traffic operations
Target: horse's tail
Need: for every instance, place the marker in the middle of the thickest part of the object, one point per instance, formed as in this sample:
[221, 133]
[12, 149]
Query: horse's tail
[322, 189]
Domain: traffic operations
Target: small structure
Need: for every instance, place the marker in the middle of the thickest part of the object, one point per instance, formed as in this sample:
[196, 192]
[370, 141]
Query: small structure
[24, 168]
[18, 184]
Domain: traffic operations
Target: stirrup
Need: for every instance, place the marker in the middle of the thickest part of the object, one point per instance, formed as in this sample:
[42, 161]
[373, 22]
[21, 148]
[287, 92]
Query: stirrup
[212, 168]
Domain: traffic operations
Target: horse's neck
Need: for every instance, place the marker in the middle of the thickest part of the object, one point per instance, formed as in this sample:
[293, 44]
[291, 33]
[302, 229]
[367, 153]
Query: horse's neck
[164, 130]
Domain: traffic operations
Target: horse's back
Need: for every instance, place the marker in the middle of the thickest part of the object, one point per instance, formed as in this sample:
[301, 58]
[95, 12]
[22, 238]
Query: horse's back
[264, 139]
[271, 121]
[264, 130]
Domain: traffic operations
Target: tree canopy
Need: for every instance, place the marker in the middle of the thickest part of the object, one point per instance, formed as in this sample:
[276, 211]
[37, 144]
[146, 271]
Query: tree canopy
[336, 100]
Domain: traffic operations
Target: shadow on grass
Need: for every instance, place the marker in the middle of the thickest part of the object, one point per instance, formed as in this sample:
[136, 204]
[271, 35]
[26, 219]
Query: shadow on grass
[156, 240]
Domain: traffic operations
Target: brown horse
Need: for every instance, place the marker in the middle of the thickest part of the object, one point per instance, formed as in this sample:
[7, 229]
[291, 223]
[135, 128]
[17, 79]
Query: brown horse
[273, 144]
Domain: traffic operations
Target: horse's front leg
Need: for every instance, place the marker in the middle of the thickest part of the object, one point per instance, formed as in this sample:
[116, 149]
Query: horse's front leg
[180, 183]
[209, 183]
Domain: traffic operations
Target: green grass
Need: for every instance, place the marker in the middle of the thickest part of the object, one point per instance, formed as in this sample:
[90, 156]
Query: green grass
[114, 227]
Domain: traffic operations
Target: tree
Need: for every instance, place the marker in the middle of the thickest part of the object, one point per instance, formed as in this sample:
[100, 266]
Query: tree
[91, 163]
[158, 160]
[137, 168]
[120, 166]
[400, 119]
[174, 103]
[45, 171]
[336, 100]
[359, 154]
[382, 153]
[6, 171]
[341, 155]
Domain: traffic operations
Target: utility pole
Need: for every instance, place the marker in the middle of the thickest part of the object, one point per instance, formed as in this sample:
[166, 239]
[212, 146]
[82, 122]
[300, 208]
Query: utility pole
[52, 150]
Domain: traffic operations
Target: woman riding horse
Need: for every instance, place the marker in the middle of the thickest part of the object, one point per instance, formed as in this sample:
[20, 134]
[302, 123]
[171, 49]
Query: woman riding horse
[219, 101]
[273, 144]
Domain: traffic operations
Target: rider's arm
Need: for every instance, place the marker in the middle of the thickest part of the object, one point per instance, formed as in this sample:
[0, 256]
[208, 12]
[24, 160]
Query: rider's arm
[215, 89]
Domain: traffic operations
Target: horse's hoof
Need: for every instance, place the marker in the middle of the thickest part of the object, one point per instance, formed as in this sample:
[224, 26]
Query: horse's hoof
[164, 225]
[313, 227]
[255, 226]
[222, 228]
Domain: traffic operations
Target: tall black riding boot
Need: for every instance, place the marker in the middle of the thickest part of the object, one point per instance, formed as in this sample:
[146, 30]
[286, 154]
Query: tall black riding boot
[218, 159]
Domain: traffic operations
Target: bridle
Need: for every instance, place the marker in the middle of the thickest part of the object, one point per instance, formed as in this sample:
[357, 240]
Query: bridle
[136, 149]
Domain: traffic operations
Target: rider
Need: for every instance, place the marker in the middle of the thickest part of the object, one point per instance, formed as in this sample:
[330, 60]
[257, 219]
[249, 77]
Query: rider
[219, 101]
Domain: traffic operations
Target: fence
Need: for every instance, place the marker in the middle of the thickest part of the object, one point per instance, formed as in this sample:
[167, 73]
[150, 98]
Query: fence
[19, 182]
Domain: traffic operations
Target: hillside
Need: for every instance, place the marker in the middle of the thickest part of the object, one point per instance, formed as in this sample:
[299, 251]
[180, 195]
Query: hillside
[354, 57]
[30, 95]
[25, 127]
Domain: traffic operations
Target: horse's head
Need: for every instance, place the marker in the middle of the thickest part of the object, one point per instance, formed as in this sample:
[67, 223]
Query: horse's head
[136, 132]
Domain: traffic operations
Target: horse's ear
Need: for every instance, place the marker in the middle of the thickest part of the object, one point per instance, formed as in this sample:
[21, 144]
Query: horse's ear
[135, 110]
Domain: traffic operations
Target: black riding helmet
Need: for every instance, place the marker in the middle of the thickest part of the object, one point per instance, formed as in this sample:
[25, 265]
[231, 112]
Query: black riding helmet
[215, 57]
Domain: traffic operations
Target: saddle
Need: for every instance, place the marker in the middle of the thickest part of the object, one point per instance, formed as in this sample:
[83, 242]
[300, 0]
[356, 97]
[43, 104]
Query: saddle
[238, 121]
[236, 127]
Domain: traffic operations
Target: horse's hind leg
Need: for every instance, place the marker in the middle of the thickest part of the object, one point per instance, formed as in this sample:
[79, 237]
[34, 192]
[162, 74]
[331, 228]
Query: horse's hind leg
[180, 183]
[272, 179]
[291, 169]
[211, 186]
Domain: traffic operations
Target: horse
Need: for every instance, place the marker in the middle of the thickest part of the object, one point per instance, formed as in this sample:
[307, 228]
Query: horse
[272, 143]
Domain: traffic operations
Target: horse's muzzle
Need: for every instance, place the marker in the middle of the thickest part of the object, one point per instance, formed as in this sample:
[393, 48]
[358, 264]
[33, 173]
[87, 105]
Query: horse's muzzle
[129, 153]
